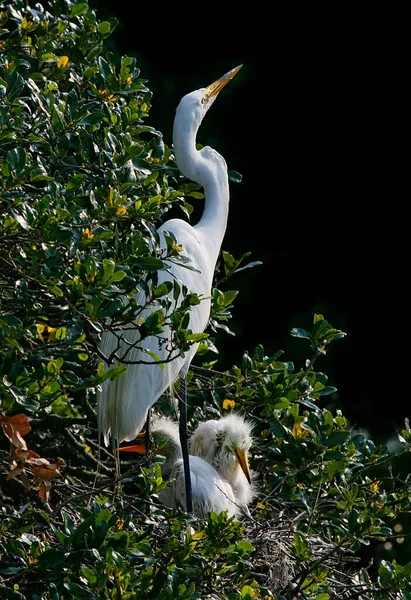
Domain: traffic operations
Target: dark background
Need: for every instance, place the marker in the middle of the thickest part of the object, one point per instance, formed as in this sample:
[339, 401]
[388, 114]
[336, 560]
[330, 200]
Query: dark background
[308, 122]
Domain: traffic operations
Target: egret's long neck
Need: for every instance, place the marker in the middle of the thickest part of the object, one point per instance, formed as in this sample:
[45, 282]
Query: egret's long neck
[209, 170]
[213, 222]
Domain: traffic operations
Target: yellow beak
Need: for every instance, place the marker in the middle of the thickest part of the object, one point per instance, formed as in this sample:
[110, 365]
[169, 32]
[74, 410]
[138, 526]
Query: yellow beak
[243, 462]
[215, 88]
[140, 447]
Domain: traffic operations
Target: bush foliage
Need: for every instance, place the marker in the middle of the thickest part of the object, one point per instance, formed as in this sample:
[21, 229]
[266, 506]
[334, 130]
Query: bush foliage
[84, 185]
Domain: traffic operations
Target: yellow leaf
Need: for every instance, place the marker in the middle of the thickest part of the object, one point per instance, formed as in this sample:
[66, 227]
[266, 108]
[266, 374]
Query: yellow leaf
[298, 432]
[228, 404]
[375, 486]
[87, 235]
[121, 211]
[62, 62]
[40, 330]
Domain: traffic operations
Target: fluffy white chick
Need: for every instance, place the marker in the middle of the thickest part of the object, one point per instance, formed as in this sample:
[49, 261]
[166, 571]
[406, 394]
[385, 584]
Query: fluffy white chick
[224, 443]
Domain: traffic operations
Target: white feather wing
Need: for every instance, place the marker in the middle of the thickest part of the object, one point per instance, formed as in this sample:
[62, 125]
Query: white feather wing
[123, 403]
[211, 493]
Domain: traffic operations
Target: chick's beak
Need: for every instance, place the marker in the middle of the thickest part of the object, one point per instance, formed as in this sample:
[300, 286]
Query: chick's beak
[215, 88]
[243, 462]
[140, 447]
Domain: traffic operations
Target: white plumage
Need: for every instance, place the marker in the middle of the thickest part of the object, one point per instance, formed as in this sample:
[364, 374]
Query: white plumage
[210, 491]
[123, 404]
[224, 443]
[220, 479]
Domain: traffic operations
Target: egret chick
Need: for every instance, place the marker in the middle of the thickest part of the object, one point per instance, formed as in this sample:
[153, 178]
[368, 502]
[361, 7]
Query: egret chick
[224, 443]
[210, 491]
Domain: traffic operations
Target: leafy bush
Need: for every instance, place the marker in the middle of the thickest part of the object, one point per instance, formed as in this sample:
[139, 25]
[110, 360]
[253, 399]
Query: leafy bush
[84, 185]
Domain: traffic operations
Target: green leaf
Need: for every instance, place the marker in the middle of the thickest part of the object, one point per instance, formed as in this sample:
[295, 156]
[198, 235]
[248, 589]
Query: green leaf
[61, 333]
[235, 177]
[118, 275]
[15, 85]
[338, 438]
[16, 159]
[108, 269]
[301, 333]
[300, 546]
[75, 182]
[196, 337]
[20, 219]
[93, 118]
[386, 574]
[335, 467]
[245, 546]
[149, 263]
[247, 593]
[229, 296]
[56, 290]
[163, 289]
[104, 28]
[74, 331]
[79, 10]
[327, 390]
[282, 403]
[79, 592]
[251, 265]
[278, 429]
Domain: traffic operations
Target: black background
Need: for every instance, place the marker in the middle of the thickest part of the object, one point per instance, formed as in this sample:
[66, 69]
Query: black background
[309, 122]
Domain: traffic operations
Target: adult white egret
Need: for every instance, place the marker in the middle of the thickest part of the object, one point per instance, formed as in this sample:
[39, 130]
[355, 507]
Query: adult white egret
[228, 444]
[123, 404]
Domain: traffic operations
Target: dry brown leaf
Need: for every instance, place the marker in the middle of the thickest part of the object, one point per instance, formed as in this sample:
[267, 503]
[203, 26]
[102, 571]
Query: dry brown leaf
[14, 428]
[44, 474]
[44, 490]
[24, 455]
[43, 470]
[15, 470]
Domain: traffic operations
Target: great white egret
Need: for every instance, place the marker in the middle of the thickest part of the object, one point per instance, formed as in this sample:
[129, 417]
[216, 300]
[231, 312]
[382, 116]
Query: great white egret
[228, 441]
[123, 403]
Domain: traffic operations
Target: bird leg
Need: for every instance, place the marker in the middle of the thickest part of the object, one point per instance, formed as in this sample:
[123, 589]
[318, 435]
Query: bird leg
[148, 448]
[148, 432]
[182, 403]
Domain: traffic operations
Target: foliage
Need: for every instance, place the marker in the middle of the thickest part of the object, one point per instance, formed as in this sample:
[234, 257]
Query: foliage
[84, 184]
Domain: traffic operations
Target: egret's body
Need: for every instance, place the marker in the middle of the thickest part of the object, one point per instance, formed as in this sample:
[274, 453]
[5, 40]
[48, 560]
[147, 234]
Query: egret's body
[124, 403]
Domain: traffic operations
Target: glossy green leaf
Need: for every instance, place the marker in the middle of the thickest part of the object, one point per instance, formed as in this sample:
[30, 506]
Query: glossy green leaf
[301, 333]
[149, 263]
[79, 9]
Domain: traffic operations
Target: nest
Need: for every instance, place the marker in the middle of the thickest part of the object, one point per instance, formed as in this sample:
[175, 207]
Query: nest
[272, 558]
[275, 565]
